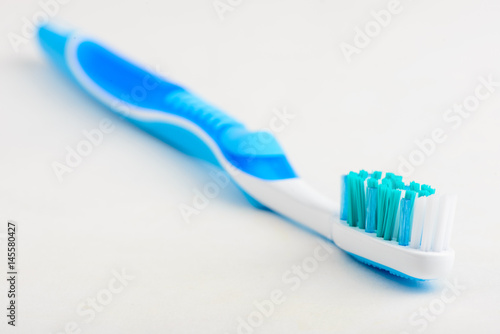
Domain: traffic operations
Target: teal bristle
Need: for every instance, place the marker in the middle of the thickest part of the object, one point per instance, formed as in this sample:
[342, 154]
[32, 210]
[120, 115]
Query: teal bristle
[356, 213]
[362, 199]
[376, 205]
[372, 183]
[409, 194]
[423, 193]
[351, 200]
[428, 189]
[387, 182]
[382, 204]
[399, 184]
[371, 205]
[390, 214]
[393, 181]
[399, 216]
[414, 186]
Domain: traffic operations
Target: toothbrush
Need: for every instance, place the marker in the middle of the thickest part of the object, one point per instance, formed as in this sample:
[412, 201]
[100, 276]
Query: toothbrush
[381, 221]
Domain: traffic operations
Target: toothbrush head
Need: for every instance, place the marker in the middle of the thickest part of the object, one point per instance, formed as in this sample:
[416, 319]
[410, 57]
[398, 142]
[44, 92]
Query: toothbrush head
[404, 228]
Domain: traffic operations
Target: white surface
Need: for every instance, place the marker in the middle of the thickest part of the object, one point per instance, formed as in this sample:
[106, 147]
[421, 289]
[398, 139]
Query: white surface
[120, 207]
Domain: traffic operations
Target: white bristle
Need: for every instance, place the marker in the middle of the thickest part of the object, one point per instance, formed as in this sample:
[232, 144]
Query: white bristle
[431, 213]
[418, 221]
[451, 217]
[441, 226]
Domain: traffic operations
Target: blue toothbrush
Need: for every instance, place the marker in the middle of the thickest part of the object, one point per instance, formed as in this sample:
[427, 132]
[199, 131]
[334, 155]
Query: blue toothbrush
[382, 221]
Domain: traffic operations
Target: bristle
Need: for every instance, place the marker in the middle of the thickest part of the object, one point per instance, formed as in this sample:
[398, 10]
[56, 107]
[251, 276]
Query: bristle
[428, 189]
[372, 183]
[418, 222]
[438, 242]
[391, 213]
[398, 178]
[431, 212]
[371, 206]
[351, 200]
[414, 186]
[422, 193]
[382, 205]
[399, 216]
[343, 198]
[408, 214]
[405, 222]
[361, 205]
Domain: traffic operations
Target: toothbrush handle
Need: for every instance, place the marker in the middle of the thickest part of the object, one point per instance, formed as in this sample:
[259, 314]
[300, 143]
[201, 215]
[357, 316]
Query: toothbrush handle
[165, 109]
[254, 160]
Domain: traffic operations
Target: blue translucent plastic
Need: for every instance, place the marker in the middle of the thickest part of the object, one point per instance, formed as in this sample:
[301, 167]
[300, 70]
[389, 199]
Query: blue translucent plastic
[53, 42]
[256, 153]
[122, 79]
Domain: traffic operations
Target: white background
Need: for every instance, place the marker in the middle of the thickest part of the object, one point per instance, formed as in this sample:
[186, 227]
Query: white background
[120, 208]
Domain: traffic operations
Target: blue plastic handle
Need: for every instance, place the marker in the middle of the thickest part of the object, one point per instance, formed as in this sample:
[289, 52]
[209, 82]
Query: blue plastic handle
[256, 153]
